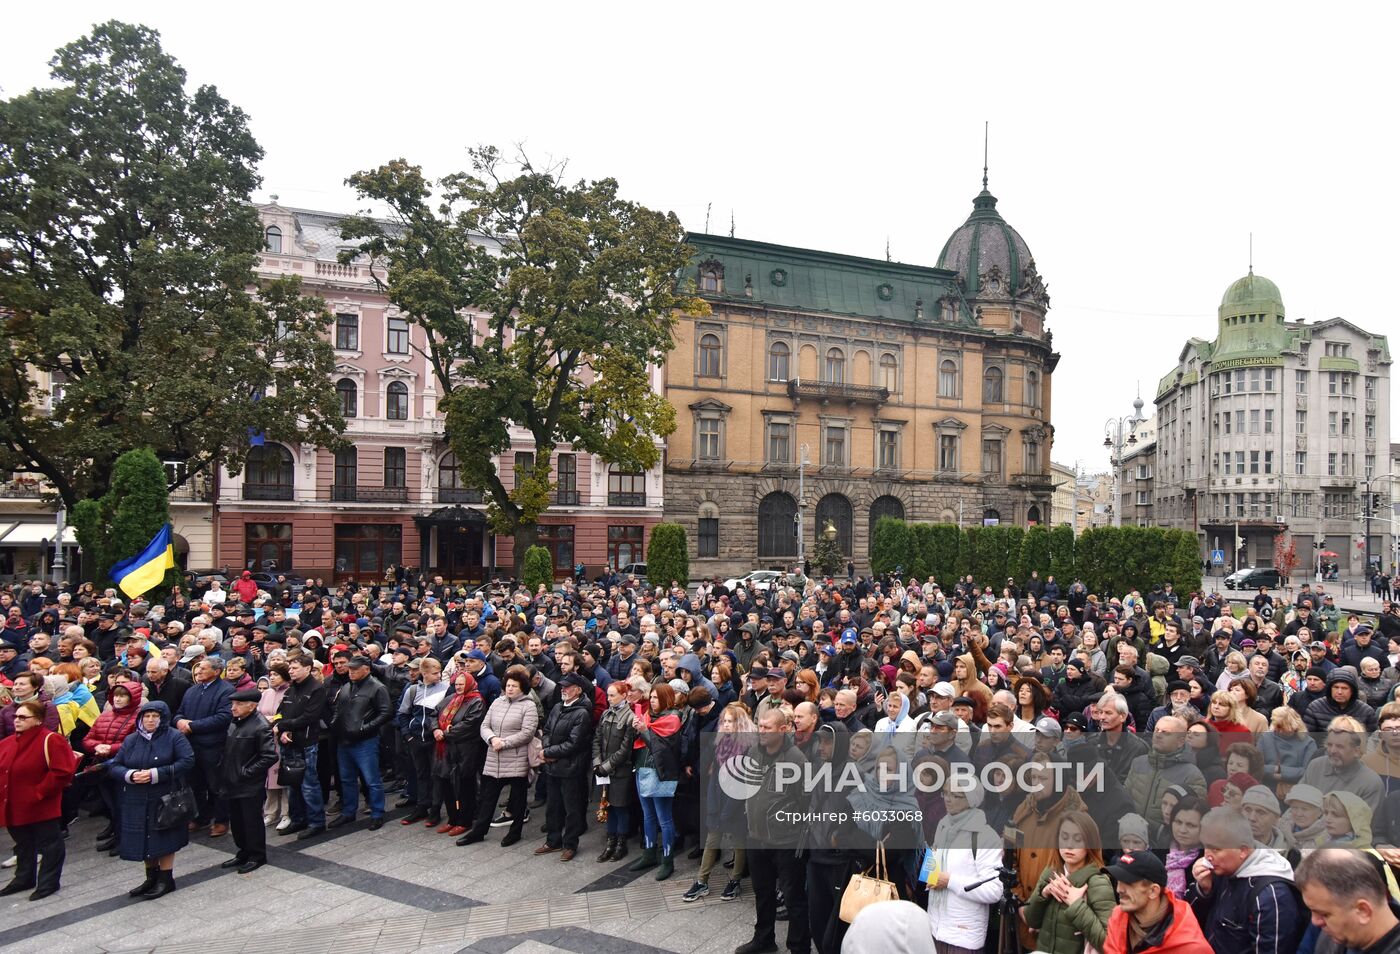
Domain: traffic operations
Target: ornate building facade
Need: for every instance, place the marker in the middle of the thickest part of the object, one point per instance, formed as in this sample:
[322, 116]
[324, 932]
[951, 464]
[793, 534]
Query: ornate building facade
[1275, 427]
[827, 388]
[394, 497]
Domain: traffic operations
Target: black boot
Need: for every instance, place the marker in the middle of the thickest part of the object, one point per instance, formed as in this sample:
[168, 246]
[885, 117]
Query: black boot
[620, 851]
[164, 885]
[608, 849]
[147, 886]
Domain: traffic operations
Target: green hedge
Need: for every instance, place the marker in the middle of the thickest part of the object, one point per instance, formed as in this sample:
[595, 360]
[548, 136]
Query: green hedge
[667, 556]
[537, 569]
[1111, 561]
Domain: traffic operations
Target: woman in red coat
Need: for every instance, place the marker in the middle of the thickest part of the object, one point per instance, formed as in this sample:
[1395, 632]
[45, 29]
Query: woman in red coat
[36, 765]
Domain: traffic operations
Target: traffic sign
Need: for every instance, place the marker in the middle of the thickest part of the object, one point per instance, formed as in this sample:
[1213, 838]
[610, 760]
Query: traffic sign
[1217, 557]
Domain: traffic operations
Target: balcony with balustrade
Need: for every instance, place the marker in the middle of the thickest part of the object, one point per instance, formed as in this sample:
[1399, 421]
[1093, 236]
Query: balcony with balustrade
[832, 391]
[351, 493]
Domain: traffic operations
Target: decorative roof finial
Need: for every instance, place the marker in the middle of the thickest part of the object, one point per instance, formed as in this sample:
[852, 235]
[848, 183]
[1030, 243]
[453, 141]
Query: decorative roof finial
[1251, 253]
[986, 131]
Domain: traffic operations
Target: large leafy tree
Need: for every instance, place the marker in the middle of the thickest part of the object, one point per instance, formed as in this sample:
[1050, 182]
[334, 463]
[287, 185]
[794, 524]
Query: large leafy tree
[127, 247]
[545, 305]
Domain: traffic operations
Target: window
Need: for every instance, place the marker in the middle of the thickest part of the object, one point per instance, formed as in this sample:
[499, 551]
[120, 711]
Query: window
[1337, 349]
[834, 449]
[1300, 463]
[835, 509]
[1033, 388]
[1144, 472]
[1269, 421]
[835, 366]
[558, 539]
[1346, 385]
[347, 470]
[707, 539]
[1332, 424]
[1300, 505]
[1239, 462]
[348, 393]
[1370, 464]
[1227, 417]
[1332, 377]
[566, 480]
[1268, 462]
[267, 546]
[993, 386]
[889, 450]
[347, 332]
[1254, 462]
[396, 401]
[1268, 379]
[779, 359]
[398, 335]
[450, 486]
[1346, 424]
[1256, 376]
[779, 442]
[1032, 457]
[274, 239]
[1300, 422]
[625, 546]
[709, 355]
[524, 466]
[777, 525]
[991, 456]
[1370, 426]
[1370, 388]
[948, 453]
[1143, 499]
[268, 473]
[1300, 382]
[1331, 465]
[1229, 387]
[1239, 381]
[712, 278]
[395, 468]
[707, 438]
[626, 489]
[1254, 421]
[1239, 421]
[889, 373]
[948, 379]
[366, 549]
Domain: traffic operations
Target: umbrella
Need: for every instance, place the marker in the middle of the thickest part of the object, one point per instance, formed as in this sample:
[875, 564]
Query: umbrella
[1328, 553]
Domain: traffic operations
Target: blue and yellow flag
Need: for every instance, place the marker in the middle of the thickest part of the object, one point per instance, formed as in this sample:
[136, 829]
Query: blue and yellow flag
[145, 570]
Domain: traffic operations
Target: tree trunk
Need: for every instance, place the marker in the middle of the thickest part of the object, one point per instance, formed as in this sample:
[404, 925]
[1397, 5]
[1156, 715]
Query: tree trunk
[526, 536]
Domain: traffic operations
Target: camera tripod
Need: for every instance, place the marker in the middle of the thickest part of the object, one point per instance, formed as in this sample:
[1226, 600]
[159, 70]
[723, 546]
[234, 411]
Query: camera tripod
[1008, 939]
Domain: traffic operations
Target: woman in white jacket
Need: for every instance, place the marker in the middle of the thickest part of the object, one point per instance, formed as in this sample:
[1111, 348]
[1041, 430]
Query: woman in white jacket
[965, 851]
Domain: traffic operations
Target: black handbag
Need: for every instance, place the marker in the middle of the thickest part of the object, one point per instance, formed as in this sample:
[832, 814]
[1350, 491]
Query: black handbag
[291, 769]
[176, 809]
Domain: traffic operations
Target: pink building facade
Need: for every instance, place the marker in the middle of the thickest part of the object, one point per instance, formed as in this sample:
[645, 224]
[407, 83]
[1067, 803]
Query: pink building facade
[395, 497]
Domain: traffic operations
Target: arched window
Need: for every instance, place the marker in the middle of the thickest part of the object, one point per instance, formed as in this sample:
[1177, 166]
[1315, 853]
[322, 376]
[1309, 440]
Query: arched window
[777, 527]
[396, 402]
[885, 506]
[274, 239]
[707, 539]
[836, 509]
[836, 366]
[710, 355]
[993, 390]
[268, 473]
[948, 378]
[1033, 388]
[347, 392]
[779, 355]
[1033, 514]
[889, 372]
[990, 514]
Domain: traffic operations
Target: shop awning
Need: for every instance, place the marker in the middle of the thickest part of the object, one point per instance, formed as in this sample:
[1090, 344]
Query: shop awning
[34, 534]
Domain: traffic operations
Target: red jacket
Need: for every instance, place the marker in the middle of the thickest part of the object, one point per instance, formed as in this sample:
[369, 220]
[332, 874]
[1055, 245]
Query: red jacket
[35, 767]
[246, 588]
[114, 725]
[1183, 935]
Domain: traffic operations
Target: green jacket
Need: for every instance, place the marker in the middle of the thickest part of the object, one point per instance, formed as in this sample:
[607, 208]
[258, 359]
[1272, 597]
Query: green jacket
[1064, 930]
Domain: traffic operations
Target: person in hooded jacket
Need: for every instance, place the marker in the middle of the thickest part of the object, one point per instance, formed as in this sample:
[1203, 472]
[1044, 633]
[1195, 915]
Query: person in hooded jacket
[1243, 895]
[151, 763]
[102, 742]
[966, 851]
[1342, 699]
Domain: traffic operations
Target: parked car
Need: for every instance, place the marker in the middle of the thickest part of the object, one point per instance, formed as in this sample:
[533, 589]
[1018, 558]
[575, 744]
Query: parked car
[267, 580]
[1253, 577]
[756, 580]
[639, 570]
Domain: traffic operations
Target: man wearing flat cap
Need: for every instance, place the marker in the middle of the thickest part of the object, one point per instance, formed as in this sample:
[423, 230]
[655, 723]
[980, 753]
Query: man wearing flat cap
[249, 751]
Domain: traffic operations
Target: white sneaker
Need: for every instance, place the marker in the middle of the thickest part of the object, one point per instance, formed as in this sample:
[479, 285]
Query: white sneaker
[285, 823]
[267, 820]
[9, 862]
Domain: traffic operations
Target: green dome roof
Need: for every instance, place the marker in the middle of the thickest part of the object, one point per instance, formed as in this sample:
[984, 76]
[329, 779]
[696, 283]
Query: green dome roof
[1252, 295]
[983, 241]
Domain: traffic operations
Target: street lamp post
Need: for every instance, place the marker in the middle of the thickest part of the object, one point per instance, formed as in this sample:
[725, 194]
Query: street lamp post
[1118, 433]
[802, 461]
[1367, 507]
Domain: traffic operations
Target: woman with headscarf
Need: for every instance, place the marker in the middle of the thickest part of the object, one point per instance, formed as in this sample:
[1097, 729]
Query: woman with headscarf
[885, 808]
[36, 765]
[965, 851]
[457, 751]
[897, 728]
[102, 743]
[149, 765]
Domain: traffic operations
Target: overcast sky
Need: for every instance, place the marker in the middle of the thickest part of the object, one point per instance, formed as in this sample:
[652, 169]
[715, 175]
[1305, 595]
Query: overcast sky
[1134, 148]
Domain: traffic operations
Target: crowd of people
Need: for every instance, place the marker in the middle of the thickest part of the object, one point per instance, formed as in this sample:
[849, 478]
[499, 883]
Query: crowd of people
[1248, 798]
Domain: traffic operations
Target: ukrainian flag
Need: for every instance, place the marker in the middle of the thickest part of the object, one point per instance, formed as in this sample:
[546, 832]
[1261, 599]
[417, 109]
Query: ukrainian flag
[145, 570]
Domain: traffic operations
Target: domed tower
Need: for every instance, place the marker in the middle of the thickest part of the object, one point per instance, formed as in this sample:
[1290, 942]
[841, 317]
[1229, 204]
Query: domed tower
[997, 277]
[1252, 318]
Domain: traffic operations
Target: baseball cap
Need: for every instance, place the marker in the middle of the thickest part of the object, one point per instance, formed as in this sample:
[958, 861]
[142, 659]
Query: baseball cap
[1191, 661]
[1048, 726]
[848, 636]
[945, 719]
[1134, 866]
[1260, 796]
[944, 689]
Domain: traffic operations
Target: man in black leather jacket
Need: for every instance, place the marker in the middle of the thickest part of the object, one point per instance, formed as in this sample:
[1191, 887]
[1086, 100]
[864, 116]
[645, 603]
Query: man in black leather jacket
[360, 708]
[568, 747]
[249, 751]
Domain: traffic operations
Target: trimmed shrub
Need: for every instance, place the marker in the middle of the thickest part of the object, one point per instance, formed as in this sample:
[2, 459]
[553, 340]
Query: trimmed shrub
[667, 556]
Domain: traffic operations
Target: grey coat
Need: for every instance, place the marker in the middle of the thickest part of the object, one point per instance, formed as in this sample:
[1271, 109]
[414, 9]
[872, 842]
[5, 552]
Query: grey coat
[515, 723]
[612, 753]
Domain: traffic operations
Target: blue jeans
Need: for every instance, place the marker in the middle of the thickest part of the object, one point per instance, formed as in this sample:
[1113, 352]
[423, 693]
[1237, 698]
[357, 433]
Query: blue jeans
[307, 806]
[619, 820]
[656, 812]
[360, 760]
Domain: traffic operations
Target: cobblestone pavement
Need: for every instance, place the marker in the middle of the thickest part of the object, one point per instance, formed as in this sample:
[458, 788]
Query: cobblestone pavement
[399, 889]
